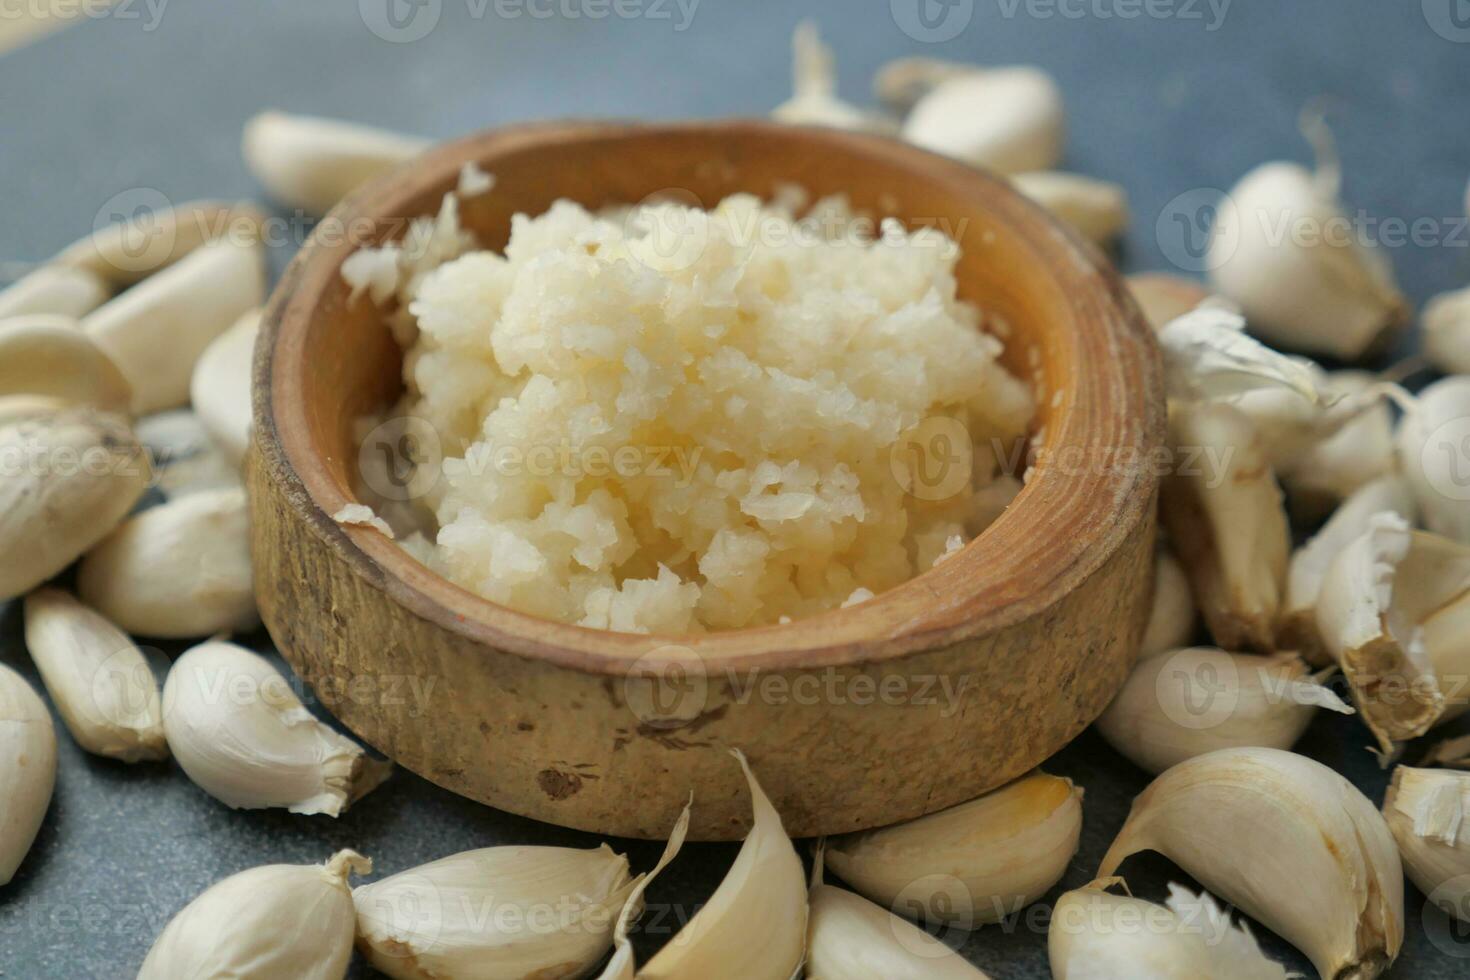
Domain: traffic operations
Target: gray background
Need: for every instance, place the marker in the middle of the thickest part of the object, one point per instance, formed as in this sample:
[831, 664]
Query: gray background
[1161, 104]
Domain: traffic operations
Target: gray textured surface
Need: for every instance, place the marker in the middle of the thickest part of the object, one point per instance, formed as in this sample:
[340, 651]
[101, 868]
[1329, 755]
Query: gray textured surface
[1163, 105]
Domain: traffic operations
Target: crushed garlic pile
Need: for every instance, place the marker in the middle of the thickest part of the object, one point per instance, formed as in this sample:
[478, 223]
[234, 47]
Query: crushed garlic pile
[662, 419]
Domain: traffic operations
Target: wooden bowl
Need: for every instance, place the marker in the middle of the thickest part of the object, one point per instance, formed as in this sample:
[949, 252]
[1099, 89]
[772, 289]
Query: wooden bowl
[932, 693]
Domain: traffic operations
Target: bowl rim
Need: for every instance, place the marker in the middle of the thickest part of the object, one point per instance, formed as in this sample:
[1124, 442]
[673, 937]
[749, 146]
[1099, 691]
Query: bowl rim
[895, 623]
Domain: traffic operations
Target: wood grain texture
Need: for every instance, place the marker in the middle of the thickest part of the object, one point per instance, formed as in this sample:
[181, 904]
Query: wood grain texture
[1032, 626]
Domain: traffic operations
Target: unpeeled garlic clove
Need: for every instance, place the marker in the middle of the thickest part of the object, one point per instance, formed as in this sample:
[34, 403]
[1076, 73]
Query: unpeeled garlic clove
[56, 290]
[242, 735]
[1096, 208]
[1009, 120]
[124, 253]
[312, 163]
[178, 570]
[279, 920]
[157, 330]
[1439, 569]
[754, 925]
[27, 769]
[1287, 840]
[974, 863]
[69, 477]
[1446, 321]
[1164, 298]
[1097, 934]
[1171, 622]
[1226, 521]
[1434, 457]
[552, 912]
[814, 100]
[1190, 702]
[219, 388]
[185, 459]
[1208, 355]
[904, 81]
[50, 356]
[1354, 446]
[98, 678]
[622, 964]
[1427, 809]
[852, 938]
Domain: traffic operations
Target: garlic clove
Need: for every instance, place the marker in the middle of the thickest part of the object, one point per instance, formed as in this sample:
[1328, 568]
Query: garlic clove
[974, 863]
[178, 570]
[185, 459]
[1164, 298]
[50, 356]
[242, 735]
[1009, 120]
[1426, 810]
[495, 912]
[1297, 627]
[1434, 457]
[124, 253]
[279, 920]
[622, 965]
[76, 474]
[1226, 521]
[814, 100]
[27, 769]
[904, 81]
[1172, 620]
[56, 290]
[1207, 355]
[852, 938]
[1446, 321]
[763, 896]
[1287, 840]
[1096, 934]
[1190, 702]
[156, 331]
[27, 408]
[312, 163]
[219, 388]
[98, 678]
[1354, 446]
[1097, 209]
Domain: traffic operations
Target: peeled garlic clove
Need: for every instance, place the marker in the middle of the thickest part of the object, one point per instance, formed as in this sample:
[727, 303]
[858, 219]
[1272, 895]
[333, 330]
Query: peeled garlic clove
[1297, 629]
[1171, 622]
[430, 921]
[850, 937]
[54, 289]
[242, 735]
[185, 459]
[977, 862]
[157, 330]
[98, 678]
[178, 570]
[814, 100]
[1096, 208]
[1094, 933]
[1009, 120]
[1447, 332]
[220, 387]
[902, 82]
[1207, 354]
[71, 477]
[312, 163]
[1226, 522]
[280, 920]
[1426, 809]
[622, 964]
[1190, 702]
[1287, 840]
[1164, 298]
[1434, 457]
[27, 769]
[124, 253]
[50, 356]
[754, 925]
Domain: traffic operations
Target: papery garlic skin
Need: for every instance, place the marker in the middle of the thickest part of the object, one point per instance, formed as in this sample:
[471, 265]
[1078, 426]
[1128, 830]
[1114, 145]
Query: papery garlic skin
[1009, 120]
[1433, 457]
[242, 735]
[219, 388]
[1191, 702]
[977, 862]
[1097, 209]
[311, 163]
[27, 769]
[622, 964]
[1208, 355]
[279, 920]
[51, 356]
[1173, 617]
[754, 925]
[1290, 842]
[1095, 934]
[1446, 320]
[99, 679]
[814, 100]
[497, 912]
[180, 570]
[1278, 249]
[1355, 446]
[1426, 809]
[55, 290]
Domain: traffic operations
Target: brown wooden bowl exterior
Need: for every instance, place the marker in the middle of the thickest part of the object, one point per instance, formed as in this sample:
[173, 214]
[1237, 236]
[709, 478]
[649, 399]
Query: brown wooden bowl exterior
[844, 715]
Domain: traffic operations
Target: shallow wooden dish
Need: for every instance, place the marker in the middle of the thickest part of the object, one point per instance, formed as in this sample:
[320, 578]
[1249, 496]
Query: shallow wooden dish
[844, 716]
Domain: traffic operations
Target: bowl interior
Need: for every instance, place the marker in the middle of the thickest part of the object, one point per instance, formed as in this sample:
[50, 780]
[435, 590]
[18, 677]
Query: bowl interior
[1067, 323]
